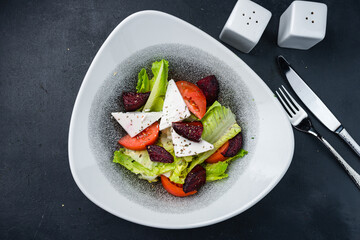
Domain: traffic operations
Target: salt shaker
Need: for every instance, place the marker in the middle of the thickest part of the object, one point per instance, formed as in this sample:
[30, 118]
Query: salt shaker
[245, 25]
[302, 25]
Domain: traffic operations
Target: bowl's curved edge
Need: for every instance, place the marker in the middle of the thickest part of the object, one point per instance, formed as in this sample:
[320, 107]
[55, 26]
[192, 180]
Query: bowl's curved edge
[76, 106]
[129, 218]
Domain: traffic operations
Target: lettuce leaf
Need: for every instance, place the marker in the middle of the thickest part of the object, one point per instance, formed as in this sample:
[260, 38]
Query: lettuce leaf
[219, 126]
[158, 85]
[229, 134]
[216, 122]
[143, 84]
[192, 118]
[240, 154]
[179, 173]
[141, 157]
[166, 140]
[133, 166]
[214, 105]
[216, 171]
[121, 156]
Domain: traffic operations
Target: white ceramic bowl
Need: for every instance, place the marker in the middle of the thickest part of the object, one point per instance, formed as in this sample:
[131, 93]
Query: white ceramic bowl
[269, 138]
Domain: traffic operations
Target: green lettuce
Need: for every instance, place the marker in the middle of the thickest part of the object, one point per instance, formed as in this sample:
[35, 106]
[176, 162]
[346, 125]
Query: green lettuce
[229, 134]
[178, 175]
[214, 105]
[192, 118]
[166, 140]
[158, 85]
[123, 157]
[216, 171]
[143, 84]
[219, 127]
[240, 154]
[217, 120]
[141, 157]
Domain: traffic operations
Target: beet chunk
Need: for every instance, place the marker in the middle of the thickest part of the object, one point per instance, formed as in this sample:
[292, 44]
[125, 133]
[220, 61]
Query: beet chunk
[235, 145]
[133, 101]
[210, 87]
[189, 130]
[195, 179]
[159, 154]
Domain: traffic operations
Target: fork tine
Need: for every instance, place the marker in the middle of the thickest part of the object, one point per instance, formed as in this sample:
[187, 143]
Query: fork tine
[292, 99]
[289, 112]
[290, 105]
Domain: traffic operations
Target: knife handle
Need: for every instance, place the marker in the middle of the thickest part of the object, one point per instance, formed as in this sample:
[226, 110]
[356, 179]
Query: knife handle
[349, 170]
[349, 140]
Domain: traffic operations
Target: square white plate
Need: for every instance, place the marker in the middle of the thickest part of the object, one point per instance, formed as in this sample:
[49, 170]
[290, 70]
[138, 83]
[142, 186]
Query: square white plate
[266, 163]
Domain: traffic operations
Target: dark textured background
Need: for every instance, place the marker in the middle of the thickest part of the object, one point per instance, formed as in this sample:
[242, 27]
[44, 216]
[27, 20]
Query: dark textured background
[45, 50]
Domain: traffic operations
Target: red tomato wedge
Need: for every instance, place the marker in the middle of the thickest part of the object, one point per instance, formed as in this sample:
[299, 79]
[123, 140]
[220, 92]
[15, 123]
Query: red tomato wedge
[193, 97]
[174, 188]
[140, 141]
[217, 156]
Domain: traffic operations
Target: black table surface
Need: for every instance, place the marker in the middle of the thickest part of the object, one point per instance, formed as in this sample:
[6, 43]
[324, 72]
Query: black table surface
[46, 48]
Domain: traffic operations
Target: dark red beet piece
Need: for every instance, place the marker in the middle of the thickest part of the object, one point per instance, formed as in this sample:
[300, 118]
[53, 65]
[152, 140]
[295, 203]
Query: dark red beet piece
[189, 130]
[133, 101]
[159, 154]
[195, 179]
[210, 87]
[235, 145]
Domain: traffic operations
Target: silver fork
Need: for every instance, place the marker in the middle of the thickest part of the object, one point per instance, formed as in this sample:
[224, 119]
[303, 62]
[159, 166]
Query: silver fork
[300, 121]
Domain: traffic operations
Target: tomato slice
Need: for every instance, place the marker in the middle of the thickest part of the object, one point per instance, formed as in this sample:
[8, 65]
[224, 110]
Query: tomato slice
[217, 156]
[193, 97]
[174, 188]
[140, 141]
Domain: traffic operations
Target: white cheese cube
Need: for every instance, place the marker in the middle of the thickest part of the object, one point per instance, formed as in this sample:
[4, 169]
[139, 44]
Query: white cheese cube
[184, 147]
[174, 108]
[135, 122]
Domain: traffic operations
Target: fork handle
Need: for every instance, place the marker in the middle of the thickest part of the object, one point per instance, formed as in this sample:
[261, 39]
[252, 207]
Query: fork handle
[348, 139]
[349, 170]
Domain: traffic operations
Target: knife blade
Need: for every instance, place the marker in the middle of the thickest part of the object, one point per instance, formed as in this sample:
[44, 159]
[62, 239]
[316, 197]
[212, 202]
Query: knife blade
[314, 103]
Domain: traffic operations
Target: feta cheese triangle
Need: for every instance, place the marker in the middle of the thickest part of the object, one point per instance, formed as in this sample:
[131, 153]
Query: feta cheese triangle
[184, 147]
[174, 108]
[135, 122]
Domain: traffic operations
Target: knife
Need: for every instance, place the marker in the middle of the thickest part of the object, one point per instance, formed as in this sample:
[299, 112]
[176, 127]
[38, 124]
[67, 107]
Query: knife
[314, 103]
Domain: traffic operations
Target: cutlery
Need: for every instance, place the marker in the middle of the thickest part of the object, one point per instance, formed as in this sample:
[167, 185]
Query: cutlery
[314, 103]
[300, 121]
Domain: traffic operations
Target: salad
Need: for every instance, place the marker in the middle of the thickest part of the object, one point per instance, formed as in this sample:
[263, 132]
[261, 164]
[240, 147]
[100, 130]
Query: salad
[177, 131]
